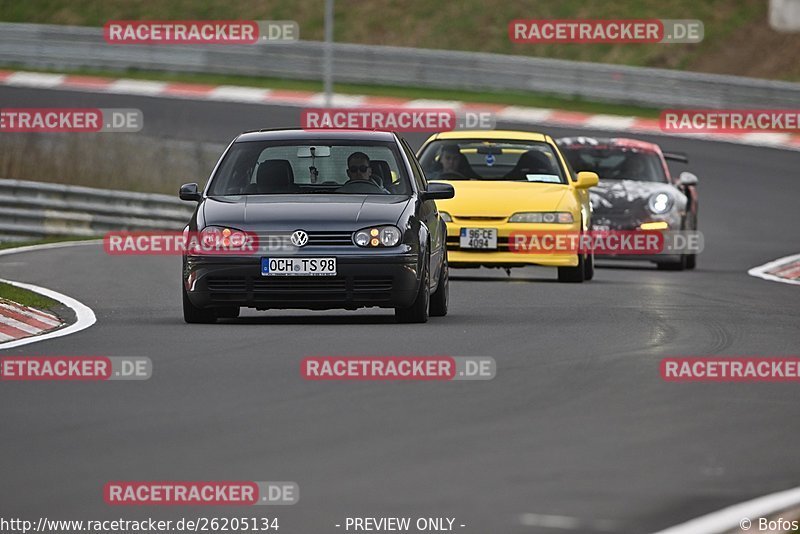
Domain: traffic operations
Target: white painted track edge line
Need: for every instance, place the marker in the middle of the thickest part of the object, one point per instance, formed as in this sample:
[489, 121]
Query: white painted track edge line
[85, 317]
[47, 246]
[728, 518]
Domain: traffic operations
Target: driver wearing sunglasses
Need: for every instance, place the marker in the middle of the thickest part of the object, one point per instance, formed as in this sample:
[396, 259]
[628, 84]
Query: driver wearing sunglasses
[359, 170]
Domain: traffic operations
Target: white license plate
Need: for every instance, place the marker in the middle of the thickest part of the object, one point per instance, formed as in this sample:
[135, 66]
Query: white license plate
[480, 238]
[298, 266]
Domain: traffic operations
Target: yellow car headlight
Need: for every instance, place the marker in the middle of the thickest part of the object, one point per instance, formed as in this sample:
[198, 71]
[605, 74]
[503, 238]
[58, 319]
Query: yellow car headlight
[547, 217]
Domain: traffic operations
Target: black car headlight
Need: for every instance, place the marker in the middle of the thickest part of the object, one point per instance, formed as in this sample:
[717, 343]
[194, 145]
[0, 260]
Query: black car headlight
[378, 236]
[219, 240]
[660, 203]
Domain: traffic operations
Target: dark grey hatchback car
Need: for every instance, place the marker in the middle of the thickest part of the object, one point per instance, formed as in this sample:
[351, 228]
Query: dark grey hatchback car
[332, 219]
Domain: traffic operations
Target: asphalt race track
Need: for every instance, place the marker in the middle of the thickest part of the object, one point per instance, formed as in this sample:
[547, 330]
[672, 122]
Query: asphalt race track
[577, 423]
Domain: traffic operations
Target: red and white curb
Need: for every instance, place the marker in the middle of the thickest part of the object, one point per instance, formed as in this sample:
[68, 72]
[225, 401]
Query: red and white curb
[785, 270]
[282, 97]
[20, 325]
[18, 321]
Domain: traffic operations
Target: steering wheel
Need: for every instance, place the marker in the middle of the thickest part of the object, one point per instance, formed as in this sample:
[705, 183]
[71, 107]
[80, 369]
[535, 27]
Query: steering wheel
[360, 186]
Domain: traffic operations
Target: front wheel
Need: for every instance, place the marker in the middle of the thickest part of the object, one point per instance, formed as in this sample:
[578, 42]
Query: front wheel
[418, 311]
[673, 265]
[588, 271]
[194, 315]
[440, 297]
[575, 274]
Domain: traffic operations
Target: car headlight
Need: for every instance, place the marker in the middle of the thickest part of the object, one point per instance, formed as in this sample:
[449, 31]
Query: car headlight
[548, 217]
[445, 216]
[659, 203]
[378, 236]
[220, 238]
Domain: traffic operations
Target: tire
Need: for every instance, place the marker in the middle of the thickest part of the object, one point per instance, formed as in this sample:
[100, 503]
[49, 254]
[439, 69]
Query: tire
[574, 275]
[691, 259]
[588, 271]
[673, 265]
[194, 315]
[418, 311]
[441, 297]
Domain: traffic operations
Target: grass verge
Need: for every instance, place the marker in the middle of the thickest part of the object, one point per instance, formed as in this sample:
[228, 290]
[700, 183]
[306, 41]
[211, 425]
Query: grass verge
[26, 298]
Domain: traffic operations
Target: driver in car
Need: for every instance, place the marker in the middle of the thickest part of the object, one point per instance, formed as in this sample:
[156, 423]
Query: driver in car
[449, 156]
[359, 171]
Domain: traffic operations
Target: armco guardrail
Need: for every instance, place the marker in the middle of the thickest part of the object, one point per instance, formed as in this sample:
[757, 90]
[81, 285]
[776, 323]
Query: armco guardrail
[33, 210]
[67, 47]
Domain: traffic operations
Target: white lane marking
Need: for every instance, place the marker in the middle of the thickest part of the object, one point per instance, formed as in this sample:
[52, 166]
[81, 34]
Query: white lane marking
[761, 270]
[47, 246]
[84, 314]
[337, 100]
[565, 522]
[610, 122]
[524, 114]
[35, 79]
[13, 323]
[427, 103]
[5, 337]
[234, 93]
[550, 521]
[136, 87]
[32, 313]
[729, 518]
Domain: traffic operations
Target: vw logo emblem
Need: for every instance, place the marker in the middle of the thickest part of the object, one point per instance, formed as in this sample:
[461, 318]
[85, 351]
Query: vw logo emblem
[299, 238]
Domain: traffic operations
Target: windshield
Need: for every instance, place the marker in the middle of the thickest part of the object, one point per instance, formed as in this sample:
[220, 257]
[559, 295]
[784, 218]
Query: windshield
[297, 168]
[617, 163]
[522, 161]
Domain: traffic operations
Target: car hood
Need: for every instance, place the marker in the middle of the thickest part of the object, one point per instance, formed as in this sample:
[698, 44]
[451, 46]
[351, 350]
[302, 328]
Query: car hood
[619, 193]
[285, 212]
[483, 198]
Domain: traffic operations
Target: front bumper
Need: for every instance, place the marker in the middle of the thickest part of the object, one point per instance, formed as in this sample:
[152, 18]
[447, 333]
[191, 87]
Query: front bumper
[623, 221]
[362, 280]
[503, 256]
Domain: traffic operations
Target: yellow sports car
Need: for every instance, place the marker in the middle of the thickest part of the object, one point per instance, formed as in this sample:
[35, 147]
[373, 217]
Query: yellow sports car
[507, 184]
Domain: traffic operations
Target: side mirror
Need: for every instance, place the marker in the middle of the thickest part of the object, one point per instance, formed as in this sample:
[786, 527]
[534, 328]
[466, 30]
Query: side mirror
[190, 192]
[587, 179]
[687, 178]
[438, 191]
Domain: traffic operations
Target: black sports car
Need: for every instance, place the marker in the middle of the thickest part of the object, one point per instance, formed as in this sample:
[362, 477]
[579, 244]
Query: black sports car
[335, 219]
[636, 190]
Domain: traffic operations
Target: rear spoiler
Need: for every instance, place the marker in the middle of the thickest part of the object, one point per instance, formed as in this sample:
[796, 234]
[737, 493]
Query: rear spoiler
[676, 156]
